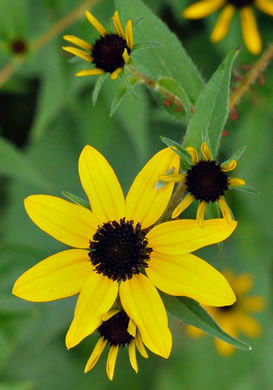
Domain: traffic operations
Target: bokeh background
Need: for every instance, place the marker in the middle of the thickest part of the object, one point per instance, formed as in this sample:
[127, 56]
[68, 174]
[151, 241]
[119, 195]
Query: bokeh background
[46, 118]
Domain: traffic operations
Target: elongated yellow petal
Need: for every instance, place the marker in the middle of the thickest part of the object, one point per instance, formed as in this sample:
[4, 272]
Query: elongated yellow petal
[89, 72]
[194, 154]
[132, 328]
[125, 56]
[229, 326]
[205, 151]
[190, 276]
[236, 181]
[116, 73]
[111, 313]
[111, 361]
[59, 276]
[229, 166]
[250, 30]
[101, 185]
[202, 9]
[140, 346]
[200, 215]
[265, 6]
[132, 355]
[95, 355]
[252, 303]
[96, 298]
[117, 25]
[78, 52]
[129, 34]
[143, 304]
[224, 349]
[173, 178]
[225, 210]
[186, 202]
[222, 26]
[242, 284]
[96, 24]
[145, 203]
[184, 236]
[248, 325]
[67, 222]
[79, 42]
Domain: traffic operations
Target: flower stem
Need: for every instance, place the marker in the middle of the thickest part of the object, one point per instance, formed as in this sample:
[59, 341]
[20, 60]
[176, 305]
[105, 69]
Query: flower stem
[251, 77]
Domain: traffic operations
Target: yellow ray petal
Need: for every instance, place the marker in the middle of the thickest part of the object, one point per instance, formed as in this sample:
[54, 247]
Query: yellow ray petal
[129, 34]
[189, 276]
[205, 151]
[117, 25]
[101, 185]
[194, 332]
[222, 25]
[248, 325]
[253, 303]
[173, 178]
[143, 304]
[111, 313]
[125, 56]
[265, 6]
[229, 166]
[96, 298]
[225, 210]
[145, 203]
[229, 327]
[224, 349]
[59, 276]
[95, 355]
[132, 355]
[242, 284]
[79, 42]
[184, 236]
[236, 181]
[186, 202]
[89, 72]
[96, 24]
[202, 9]
[69, 223]
[111, 361]
[200, 215]
[116, 73]
[140, 346]
[250, 30]
[194, 154]
[131, 328]
[78, 52]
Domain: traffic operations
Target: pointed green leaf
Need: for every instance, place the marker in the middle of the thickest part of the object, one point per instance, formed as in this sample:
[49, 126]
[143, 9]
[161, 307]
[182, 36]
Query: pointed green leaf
[76, 199]
[146, 45]
[97, 88]
[236, 155]
[121, 92]
[174, 88]
[186, 161]
[246, 188]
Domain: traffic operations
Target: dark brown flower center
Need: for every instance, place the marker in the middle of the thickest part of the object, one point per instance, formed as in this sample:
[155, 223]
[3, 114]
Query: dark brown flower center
[240, 3]
[115, 331]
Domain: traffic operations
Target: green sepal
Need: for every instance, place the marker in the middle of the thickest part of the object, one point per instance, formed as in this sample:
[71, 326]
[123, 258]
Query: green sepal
[121, 92]
[74, 60]
[192, 313]
[146, 45]
[126, 81]
[76, 199]
[245, 188]
[97, 88]
[236, 155]
[186, 161]
[137, 22]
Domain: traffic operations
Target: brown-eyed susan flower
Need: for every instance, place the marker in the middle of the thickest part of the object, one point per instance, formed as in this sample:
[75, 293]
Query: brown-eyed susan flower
[235, 318]
[117, 330]
[250, 31]
[120, 254]
[206, 181]
[110, 53]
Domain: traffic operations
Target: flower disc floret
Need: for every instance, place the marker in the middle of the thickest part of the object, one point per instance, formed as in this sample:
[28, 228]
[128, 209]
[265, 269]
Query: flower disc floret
[115, 331]
[240, 3]
[119, 250]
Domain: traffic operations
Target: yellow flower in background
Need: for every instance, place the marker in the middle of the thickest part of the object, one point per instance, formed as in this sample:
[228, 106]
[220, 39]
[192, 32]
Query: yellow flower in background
[118, 257]
[206, 182]
[109, 53]
[235, 318]
[249, 26]
[118, 331]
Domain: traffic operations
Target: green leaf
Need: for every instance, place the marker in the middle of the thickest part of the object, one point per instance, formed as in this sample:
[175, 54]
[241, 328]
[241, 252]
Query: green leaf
[14, 163]
[192, 313]
[211, 109]
[76, 199]
[186, 161]
[246, 188]
[97, 88]
[236, 155]
[170, 60]
[121, 92]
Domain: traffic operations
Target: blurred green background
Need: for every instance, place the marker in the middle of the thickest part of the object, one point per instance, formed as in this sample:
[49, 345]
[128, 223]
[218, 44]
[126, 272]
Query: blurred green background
[46, 118]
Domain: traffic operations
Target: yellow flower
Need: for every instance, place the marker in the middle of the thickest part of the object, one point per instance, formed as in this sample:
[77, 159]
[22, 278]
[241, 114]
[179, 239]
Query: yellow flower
[117, 330]
[235, 318]
[109, 53]
[206, 181]
[250, 30]
[117, 257]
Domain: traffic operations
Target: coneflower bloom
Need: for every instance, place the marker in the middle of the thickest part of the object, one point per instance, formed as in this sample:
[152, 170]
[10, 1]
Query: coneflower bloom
[117, 330]
[237, 317]
[110, 53]
[250, 31]
[120, 254]
[206, 181]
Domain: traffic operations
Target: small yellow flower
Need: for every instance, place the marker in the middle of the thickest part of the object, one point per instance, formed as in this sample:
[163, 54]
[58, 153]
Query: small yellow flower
[206, 181]
[117, 330]
[250, 30]
[235, 318]
[120, 254]
[109, 53]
